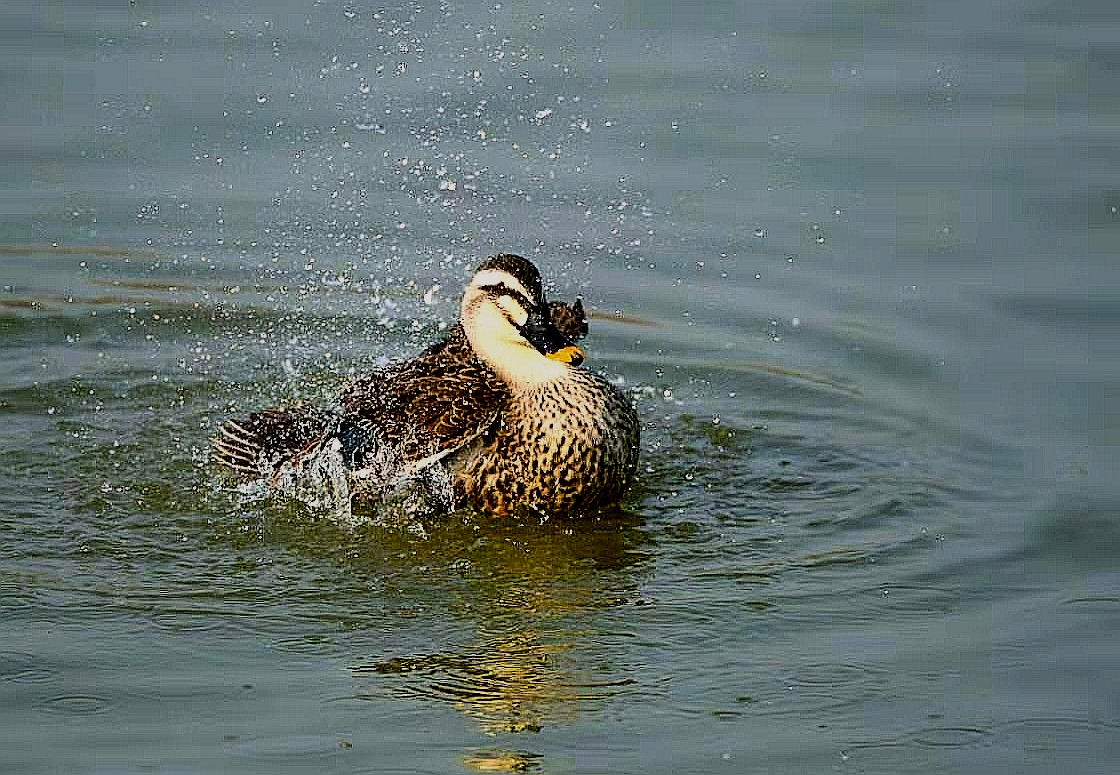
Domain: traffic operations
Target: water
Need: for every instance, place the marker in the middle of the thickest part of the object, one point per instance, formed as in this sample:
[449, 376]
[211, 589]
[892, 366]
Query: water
[856, 263]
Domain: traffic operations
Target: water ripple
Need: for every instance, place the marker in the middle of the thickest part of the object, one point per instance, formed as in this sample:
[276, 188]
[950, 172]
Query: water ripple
[75, 705]
[950, 737]
[813, 688]
[307, 643]
[288, 747]
[863, 753]
[871, 603]
[510, 686]
[23, 667]
[1055, 731]
[1092, 601]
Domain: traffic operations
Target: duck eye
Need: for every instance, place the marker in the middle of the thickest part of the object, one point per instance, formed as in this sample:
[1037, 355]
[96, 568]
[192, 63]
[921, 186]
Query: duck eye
[501, 289]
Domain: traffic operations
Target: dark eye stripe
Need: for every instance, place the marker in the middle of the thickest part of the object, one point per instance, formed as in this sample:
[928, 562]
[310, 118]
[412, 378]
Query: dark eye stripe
[505, 290]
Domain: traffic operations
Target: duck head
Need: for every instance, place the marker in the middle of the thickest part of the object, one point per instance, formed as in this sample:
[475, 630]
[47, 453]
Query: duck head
[506, 318]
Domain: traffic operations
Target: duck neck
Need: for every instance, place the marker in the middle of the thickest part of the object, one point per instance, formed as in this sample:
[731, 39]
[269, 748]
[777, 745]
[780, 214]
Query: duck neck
[521, 367]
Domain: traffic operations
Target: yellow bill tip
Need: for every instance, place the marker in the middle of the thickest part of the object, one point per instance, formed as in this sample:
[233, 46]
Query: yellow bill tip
[570, 354]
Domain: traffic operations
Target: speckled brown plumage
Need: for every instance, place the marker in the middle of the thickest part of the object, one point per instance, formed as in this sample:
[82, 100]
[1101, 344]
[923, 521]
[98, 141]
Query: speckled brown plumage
[430, 403]
[555, 451]
[564, 445]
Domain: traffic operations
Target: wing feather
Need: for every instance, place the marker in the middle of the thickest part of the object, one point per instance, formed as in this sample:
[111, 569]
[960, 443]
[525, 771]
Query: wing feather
[264, 437]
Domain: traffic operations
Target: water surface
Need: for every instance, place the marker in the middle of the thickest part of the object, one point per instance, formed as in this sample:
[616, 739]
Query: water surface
[855, 263]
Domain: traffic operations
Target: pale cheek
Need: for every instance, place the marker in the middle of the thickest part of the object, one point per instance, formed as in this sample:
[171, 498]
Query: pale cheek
[514, 310]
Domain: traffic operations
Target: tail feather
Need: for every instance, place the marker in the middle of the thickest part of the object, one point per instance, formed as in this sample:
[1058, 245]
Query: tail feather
[255, 444]
[569, 318]
[237, 447]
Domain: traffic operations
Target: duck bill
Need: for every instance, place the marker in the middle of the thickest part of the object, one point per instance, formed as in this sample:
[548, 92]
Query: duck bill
[548, 341]
[570, 354]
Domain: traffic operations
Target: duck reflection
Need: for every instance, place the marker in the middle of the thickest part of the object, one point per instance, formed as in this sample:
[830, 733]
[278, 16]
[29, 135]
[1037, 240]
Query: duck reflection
[535, 659]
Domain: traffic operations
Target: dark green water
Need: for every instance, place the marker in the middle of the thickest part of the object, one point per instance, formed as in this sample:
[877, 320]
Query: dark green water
[865, 257]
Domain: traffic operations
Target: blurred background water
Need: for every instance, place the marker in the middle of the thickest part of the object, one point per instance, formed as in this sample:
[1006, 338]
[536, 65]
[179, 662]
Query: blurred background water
[856, 263]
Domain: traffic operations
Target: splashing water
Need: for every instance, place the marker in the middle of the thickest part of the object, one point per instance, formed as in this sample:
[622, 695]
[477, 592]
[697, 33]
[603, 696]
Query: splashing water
[386, 491]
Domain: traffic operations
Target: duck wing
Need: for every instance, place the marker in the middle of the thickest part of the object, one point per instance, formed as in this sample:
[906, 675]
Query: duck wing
[438, 402]
[254, 444]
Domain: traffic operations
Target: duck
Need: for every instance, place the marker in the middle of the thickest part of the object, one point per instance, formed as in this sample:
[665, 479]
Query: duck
[502, 414]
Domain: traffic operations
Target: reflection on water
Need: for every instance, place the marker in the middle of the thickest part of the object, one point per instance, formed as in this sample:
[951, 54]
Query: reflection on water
[502, 760]
[529, 592]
